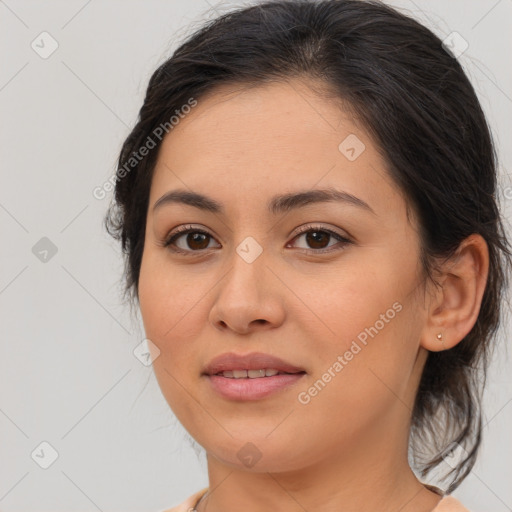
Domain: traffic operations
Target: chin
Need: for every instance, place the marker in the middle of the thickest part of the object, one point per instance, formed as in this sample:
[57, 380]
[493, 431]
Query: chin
[257, 455]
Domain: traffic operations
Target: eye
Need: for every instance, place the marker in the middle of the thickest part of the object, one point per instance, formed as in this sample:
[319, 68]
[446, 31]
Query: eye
[318, 238]
[196, 240]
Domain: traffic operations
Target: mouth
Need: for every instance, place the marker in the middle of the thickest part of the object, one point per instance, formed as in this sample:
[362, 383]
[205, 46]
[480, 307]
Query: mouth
[252, 365]
[254, 374]
[251, 376]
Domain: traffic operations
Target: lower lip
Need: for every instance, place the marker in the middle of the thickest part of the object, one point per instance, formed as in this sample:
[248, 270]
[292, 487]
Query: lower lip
[252, 389]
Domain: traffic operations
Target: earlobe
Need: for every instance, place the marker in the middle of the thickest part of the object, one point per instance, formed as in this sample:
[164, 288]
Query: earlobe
[455, 305]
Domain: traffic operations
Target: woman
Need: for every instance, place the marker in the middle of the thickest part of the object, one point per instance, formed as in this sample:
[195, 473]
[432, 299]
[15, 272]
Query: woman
[307, 207]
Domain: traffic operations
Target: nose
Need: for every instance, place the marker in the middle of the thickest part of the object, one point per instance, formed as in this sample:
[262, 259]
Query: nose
[248, 297]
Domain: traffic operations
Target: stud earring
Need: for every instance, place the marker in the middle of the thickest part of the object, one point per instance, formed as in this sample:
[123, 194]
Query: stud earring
[439, 336]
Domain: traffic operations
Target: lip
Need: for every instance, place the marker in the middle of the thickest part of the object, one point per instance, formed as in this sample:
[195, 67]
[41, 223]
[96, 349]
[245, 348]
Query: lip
[252, 361]
[250, 389]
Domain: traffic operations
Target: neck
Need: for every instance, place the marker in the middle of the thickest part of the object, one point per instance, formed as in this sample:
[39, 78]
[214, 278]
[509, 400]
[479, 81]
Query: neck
[369, 477]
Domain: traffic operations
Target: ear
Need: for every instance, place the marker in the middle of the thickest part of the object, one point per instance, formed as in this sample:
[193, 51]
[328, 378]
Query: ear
[454, 306]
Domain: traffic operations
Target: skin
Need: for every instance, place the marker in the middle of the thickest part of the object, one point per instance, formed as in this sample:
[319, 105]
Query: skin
[348, 445]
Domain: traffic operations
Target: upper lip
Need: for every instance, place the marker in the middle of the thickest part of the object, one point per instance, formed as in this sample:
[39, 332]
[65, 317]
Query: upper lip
[252, 361]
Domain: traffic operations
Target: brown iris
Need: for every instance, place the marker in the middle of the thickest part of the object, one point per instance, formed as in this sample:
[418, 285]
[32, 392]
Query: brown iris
[199, 238]
[316, 237]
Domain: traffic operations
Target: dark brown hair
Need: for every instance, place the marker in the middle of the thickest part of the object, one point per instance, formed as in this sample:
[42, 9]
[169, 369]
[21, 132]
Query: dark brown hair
[415, 100]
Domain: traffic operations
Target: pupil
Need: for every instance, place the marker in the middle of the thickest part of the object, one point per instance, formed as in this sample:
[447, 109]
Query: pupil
[197, 237]
[315, 237]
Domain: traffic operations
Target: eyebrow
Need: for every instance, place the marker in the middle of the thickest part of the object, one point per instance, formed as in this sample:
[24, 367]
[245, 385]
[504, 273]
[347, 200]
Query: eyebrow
[277, 205]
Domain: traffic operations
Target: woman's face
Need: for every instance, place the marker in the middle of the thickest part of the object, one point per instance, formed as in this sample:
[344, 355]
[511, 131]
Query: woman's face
[346, 313]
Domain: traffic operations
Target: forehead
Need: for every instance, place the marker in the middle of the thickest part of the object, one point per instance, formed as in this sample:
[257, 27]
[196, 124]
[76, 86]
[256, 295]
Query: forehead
[239, 143]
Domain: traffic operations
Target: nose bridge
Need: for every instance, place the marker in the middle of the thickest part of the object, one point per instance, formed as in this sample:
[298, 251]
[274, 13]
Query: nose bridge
[245, 296]
[248, 266]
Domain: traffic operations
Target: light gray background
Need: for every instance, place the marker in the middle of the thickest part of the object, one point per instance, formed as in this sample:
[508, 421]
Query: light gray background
[68, 375]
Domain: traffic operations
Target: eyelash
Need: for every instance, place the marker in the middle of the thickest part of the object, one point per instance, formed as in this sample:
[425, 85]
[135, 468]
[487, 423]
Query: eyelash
[306, 229]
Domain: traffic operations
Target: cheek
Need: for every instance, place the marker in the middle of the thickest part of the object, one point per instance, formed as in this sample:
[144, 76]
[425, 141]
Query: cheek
[167, 307]
[170, 301]
[364, 343]
[351, 306]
